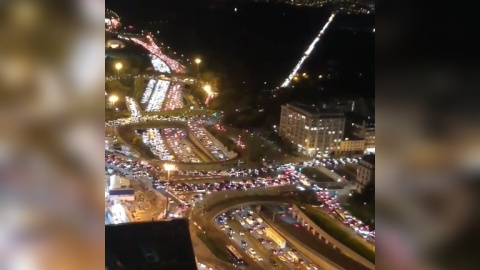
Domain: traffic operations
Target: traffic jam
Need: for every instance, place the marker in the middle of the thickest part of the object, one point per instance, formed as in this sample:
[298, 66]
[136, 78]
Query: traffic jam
[258, 240]
[216, 181]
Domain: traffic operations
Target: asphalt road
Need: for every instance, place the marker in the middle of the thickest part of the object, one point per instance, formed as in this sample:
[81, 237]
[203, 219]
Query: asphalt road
[314, 243]
[205, 221]
[252, 242]
[255, 235]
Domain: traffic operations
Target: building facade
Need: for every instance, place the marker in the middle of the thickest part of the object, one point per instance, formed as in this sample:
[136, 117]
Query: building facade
[365, 172]
[352, 146]
[366, 131]
[315, 132]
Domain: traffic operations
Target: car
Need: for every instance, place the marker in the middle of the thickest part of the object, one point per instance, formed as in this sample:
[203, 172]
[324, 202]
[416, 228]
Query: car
[252, 251]
[258, 258]
[281, 258]
[288, 257]
[297, 225]
[301, 261]
[273, 262]
[313, 266]
[241, 233]
[243, 243]
[291, 254]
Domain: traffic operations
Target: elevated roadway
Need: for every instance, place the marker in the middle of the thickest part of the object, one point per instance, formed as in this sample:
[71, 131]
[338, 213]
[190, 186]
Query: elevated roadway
[217, 203]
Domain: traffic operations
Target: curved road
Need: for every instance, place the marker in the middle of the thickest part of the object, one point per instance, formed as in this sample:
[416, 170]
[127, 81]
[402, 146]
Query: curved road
[314, 243]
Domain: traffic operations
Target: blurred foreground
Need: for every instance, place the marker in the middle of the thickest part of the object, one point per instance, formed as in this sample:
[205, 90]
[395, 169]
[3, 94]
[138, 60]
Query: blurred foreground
[428, 146]
[51, 114]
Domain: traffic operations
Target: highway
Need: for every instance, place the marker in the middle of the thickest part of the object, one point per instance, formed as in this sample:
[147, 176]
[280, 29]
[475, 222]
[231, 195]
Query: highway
[304, 236]
[265, 250]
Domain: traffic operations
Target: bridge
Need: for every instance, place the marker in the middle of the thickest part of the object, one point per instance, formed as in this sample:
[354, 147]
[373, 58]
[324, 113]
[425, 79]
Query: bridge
[220, 202]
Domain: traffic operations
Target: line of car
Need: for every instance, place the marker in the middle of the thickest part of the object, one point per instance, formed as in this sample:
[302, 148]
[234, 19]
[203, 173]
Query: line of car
[256, 228]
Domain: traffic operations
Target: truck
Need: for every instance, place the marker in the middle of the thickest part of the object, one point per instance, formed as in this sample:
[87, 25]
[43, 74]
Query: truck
[275, 236]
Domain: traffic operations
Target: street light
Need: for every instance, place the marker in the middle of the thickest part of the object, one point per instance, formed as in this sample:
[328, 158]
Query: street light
[168, 167]
[208, 89]
[118, 67]
[112, 99]
[198, 61]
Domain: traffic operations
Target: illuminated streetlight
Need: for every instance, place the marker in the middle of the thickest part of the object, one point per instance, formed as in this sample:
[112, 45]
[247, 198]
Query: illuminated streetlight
[118, 67]
[112, 99]
[208, 89]
[168, 167]
[198, 61]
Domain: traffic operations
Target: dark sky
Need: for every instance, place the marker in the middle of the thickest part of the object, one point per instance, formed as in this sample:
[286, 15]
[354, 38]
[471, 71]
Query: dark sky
[259, 42]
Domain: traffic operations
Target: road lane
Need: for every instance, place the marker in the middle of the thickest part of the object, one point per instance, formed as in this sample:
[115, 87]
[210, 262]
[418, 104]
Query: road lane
[306, 237]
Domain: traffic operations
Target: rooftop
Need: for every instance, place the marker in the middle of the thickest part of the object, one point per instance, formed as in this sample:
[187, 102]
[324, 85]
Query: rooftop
[117, 182]
[314, 111]
[149, 245]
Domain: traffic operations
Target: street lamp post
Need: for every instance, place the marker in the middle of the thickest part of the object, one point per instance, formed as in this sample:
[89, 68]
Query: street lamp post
[112, 99]
[118, 67]
[198, 61]
[168, 167]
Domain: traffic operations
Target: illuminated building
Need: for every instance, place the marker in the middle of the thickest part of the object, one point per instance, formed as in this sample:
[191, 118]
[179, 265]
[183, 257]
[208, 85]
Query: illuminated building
[365, 172]
[315, 131]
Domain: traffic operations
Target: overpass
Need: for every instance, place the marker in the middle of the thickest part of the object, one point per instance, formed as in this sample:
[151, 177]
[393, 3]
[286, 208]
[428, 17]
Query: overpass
[220, 202]
[323, 236]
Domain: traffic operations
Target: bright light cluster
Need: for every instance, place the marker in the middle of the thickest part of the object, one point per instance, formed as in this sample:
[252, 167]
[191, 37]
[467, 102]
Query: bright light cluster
[159, 65]
[307, 52]
[158, 96]
[155, 50]
[133, 107]
[144, 118]
[148, 91]
[153, 139]
[174, 98]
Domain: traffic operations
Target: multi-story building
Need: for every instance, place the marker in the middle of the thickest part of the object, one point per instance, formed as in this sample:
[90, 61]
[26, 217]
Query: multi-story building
[352, 145]
[365, 172]
[366, 130]
[315, 131]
